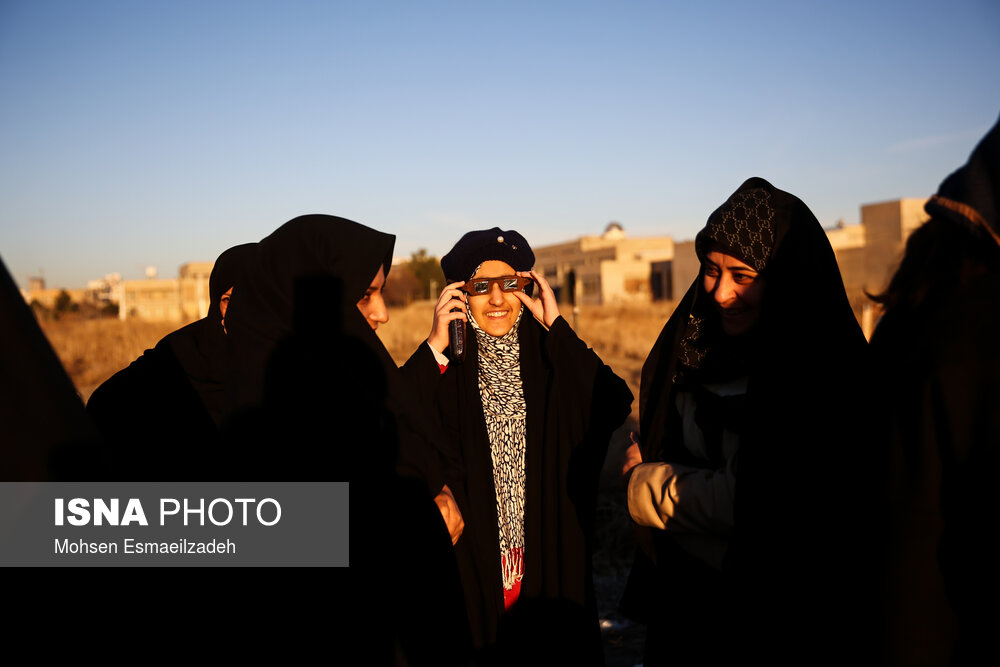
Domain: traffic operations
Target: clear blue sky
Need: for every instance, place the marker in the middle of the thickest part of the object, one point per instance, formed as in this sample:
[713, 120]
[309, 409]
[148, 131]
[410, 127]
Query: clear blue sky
[154, 133]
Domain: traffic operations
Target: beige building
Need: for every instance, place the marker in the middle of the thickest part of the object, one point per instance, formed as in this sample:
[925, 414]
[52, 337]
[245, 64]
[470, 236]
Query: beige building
[182, 299]
[46, 296]
[97, 293]
[104, 290]
[868, 253]
[606, 269]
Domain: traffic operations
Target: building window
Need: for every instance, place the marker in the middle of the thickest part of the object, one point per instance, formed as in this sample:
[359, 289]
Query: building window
[661, 283]
[636, 285]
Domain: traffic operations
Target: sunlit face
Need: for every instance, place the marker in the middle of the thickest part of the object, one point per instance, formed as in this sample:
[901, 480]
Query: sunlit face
[224, 305]
[497, 311]
[735, 288]
[372, 304]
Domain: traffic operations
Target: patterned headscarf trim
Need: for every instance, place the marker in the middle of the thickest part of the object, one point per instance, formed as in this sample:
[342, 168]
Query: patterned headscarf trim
[744, 224]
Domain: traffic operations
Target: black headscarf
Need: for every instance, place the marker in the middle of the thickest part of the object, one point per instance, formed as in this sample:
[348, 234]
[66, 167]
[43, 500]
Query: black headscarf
[803, 360]
[200, 347]
[970, 194]
[229, 269]
[805, 314]
[161, 414]
[303, 359]
[299, 260]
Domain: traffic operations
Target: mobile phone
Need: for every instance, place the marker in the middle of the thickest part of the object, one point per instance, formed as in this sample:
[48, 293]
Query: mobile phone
[456, 338]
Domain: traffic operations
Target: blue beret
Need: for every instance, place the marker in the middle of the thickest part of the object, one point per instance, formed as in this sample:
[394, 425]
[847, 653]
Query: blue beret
[479, 246]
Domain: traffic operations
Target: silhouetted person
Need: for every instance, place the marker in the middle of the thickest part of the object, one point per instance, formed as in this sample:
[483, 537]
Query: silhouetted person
[528, 413]
[45, 435]
[161, 414]
[315, 396]
[938, 385]
[742, 482]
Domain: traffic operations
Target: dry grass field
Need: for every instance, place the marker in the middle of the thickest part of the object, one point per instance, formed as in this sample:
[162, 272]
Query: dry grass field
[93, 350]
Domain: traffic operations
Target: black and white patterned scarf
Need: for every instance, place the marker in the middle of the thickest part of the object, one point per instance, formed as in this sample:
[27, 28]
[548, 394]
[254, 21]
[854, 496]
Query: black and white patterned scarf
[505, 410]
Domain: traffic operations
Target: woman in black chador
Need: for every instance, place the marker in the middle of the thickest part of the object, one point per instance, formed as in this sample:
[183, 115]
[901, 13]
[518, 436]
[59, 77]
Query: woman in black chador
[313, 395]
[938, 401]
[161, 414]
[304, 355]
[746, 436]
[530, 411]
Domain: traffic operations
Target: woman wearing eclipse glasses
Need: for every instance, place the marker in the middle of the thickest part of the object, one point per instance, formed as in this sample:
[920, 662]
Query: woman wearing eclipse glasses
[529, 411]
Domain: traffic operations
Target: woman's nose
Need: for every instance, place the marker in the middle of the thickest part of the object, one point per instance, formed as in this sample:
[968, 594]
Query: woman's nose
[724, 291]
[379, 312]
[496, 295]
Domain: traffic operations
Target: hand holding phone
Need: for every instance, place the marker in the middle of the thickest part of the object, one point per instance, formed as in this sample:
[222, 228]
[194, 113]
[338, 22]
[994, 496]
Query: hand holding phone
[448, 327]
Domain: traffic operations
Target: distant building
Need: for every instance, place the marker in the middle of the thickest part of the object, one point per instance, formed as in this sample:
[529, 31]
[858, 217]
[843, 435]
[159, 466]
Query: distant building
[46, 296]
[606, 269]
[182, 299]
[868, 253]
[195, 298]
[38, 293]
[104, 291]
[150, 299]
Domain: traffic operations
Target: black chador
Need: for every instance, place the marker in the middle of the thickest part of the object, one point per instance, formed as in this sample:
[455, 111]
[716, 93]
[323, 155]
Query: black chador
[760, 565]
[313, 395]
[528, 414]
[938, 405]
[160, 415]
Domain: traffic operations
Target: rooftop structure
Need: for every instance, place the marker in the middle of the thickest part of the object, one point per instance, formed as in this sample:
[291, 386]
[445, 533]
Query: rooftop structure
[605, 269]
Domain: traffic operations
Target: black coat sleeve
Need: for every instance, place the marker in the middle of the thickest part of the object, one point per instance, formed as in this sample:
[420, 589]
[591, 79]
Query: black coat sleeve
[590, 381]
[592, 402]
[427, 450]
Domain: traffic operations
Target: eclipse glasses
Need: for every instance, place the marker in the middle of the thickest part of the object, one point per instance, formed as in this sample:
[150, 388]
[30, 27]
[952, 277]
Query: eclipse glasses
[478, 286]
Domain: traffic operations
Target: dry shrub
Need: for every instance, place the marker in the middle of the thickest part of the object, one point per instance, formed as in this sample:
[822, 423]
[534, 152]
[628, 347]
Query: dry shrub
[91, 351]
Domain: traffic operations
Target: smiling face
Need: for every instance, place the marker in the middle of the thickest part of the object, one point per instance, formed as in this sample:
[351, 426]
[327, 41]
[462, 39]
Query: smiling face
[496, 311]
[372, 305]
[735, 288]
